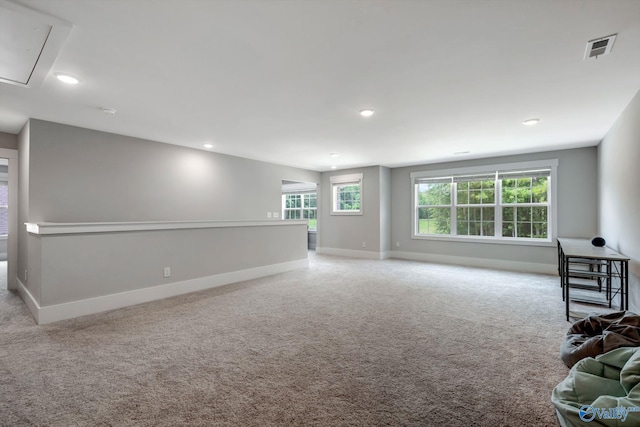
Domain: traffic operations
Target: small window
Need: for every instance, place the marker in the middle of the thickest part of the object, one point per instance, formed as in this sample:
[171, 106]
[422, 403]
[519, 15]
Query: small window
[346, 193]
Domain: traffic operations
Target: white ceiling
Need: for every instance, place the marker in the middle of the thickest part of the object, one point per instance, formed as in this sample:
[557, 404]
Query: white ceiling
[283, 81]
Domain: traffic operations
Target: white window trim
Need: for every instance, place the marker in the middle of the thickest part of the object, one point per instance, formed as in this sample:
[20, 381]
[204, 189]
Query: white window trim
[553, 210]
[355, 178]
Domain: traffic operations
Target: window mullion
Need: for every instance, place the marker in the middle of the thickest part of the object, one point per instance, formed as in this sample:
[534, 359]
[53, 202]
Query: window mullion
[454, 204]
[498, 213]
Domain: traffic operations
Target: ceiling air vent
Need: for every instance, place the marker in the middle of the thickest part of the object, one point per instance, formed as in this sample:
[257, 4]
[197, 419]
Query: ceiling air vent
[600, 46]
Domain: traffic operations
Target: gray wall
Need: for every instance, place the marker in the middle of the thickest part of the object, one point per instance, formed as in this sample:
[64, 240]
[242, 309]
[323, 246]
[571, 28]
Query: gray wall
[347, 232]
[8, 140]
[70, 174]
[385, 209]
[619, 192]
[577, 202]
[23, 199]
[82, 175]
[76, 267]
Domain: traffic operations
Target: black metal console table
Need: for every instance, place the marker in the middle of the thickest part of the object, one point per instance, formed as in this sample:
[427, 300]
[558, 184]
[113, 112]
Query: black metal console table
[584, 266]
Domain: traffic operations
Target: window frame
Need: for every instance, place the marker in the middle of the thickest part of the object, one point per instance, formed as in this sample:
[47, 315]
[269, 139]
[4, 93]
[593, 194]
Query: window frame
[5, 183]
[345, 180]
[301, 209]
[550, 164]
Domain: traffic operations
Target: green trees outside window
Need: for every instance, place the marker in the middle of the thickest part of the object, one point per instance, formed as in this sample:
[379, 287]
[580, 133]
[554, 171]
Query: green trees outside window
[347, 197]
[525, 207]
[301, 206]
[475, 212]
[498, 205]
[434, 208]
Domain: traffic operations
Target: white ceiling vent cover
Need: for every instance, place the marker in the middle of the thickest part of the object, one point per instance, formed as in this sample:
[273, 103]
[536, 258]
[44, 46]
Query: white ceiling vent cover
[600, 46]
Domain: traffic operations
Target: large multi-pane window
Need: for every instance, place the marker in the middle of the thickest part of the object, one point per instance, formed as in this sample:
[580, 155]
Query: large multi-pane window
[301, 206]
[502, 204]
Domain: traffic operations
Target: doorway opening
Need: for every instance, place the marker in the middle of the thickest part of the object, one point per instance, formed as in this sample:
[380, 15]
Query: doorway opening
[300, 201]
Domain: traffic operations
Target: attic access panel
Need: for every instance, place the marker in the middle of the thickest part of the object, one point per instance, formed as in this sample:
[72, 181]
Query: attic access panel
[30, 41]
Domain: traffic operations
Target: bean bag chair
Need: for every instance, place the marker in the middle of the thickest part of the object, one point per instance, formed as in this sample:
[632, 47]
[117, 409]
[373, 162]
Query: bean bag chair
[598, 334]
[604, 391]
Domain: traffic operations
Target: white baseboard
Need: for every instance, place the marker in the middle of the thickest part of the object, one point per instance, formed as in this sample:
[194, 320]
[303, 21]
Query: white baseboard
[352, 253]
[498, 264]
[29, 300]
[69, 310]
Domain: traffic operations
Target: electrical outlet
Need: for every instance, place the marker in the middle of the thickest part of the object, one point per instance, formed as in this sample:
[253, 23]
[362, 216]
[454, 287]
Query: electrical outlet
[364, 244]
[397, 244]
[276, 215]
[167, 272]
[268, 215]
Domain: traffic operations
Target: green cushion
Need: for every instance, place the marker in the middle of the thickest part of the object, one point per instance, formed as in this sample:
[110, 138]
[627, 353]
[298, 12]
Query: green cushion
[609, 381]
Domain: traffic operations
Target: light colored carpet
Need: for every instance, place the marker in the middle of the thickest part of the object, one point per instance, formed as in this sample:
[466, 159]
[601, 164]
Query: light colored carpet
[346, 342]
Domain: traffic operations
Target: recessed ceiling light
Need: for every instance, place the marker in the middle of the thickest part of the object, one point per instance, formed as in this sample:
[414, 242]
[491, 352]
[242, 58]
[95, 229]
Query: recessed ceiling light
[366, 113]
[531, 122]
[109, 111]
[333, 167]
[208, 145]
[66, 78]
[334, 154]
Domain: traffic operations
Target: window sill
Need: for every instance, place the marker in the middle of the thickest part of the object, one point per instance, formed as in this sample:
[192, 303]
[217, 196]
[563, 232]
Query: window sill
[489, 240]
[346, 213]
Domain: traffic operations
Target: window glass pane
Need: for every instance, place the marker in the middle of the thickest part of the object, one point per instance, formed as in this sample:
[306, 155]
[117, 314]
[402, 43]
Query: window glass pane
[475, 197]
[309, 200]
[292, 214]
[488, 228]
[434, 221]
[475, 221]
[539, 189]
[475, 192]
[348, 197]
[523, 229]
[508, 191]
[488, 214]
[540, 230]
[539, 214]
[508, 214]
[462, 195]
[434, 194]
[523, 214]
[488, 196]
[474, 228]
[523, 195]
[462, 214]
[508, 229]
